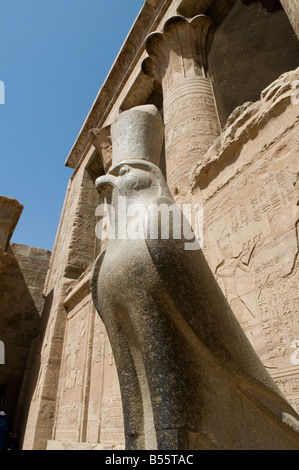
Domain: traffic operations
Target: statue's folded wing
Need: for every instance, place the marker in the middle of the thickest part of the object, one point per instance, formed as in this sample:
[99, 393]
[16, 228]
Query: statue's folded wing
[204, 311]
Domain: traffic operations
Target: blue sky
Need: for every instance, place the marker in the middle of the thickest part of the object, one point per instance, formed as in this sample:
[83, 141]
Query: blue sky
[54, 57]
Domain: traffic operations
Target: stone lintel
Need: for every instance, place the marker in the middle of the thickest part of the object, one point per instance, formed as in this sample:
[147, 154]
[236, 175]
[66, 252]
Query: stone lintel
[291, 8]
[190, 8]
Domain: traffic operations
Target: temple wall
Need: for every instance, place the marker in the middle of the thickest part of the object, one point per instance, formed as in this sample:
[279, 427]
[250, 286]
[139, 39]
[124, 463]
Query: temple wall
[248, 185]
[89, 409]
[73, 253]
[23, 271]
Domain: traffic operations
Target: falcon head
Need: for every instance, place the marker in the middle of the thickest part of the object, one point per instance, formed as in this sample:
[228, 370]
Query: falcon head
[134, 180]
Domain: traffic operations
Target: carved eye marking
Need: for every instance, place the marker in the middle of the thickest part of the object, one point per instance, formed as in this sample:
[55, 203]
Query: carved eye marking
[123, 170]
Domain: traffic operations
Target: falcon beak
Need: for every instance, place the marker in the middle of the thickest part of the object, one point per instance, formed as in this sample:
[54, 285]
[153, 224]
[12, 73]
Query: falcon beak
[105, 184]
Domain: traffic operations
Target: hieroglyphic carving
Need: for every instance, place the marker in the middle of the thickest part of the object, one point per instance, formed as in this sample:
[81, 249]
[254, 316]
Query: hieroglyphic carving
[69, 403]
[112, 427]
[111, 416]
[192, 115]
[289, 385]
[74, 352]
[10, 211]
[251, 241]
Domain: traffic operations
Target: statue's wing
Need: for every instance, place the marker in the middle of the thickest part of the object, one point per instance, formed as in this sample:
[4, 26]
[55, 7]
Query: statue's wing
[202, 306]
[94, 280]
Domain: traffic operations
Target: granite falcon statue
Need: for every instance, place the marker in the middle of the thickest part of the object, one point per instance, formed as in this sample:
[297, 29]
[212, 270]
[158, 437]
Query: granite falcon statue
[188, 375]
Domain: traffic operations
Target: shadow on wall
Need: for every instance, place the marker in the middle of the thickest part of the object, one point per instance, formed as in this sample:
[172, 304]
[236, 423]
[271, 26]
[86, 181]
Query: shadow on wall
[19, 323]
[21, 302]
[31, 376]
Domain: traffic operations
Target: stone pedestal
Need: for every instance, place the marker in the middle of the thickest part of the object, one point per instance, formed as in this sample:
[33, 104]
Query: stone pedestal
[177, 60]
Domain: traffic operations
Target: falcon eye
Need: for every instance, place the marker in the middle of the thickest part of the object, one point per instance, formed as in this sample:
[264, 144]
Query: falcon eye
[123, 170]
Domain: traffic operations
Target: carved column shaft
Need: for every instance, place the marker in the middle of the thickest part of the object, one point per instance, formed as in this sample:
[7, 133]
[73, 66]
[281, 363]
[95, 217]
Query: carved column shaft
[178, 61]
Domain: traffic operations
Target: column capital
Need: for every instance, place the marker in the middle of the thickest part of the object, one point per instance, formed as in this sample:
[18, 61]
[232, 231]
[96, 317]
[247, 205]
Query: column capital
[179, 51]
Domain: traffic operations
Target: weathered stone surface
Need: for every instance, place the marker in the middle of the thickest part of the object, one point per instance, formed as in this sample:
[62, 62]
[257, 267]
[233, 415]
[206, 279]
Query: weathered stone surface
[148, 116]
[70, 361]
[72, 254]
[101, 139]
[178, 60]
[94, 421]
[21, 304]
[10, 212]
[248, 185]
[151, 14]
[62, 445]
[135, 144]
[172, 331]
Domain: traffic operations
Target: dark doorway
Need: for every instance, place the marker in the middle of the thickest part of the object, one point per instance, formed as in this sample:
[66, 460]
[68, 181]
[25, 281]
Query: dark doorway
[254, 43]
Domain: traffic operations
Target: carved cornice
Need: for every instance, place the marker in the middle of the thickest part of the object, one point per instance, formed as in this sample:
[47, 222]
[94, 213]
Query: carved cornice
[5, 260]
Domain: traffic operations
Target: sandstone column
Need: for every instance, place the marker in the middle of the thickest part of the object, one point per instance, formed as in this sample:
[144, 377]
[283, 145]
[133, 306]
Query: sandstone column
[178, 61]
